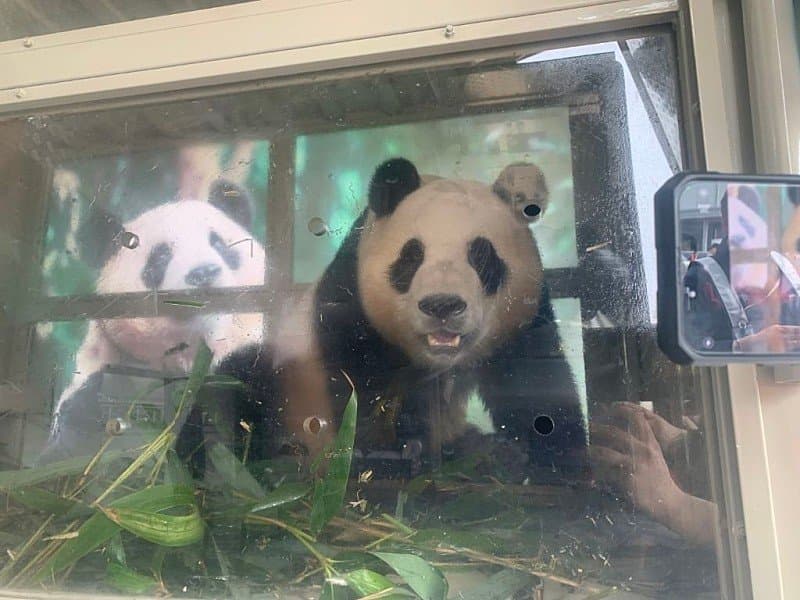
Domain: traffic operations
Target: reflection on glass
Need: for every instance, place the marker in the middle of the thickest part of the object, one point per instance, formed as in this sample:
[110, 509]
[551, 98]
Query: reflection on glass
[177, 379]
[742, 287]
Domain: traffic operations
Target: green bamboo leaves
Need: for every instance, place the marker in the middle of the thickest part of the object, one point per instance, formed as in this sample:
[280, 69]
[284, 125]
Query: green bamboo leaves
[11, 480]
[365, 582]
[100, 528]
[329, 491]
[129, 581]
[285, 494]
[427, 581]
[168, 530]
[235, 473]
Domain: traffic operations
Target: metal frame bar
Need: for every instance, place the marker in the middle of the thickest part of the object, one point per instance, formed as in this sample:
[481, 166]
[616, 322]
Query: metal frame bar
[127, 59]
[719, 48]
[773, 70]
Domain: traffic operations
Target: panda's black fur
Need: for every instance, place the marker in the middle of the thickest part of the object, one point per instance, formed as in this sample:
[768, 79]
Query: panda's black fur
[522, 379]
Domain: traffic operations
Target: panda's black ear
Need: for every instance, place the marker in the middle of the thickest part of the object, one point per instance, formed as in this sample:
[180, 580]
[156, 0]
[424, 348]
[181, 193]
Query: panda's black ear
[233, 200]
[393, 180]
[101, 235]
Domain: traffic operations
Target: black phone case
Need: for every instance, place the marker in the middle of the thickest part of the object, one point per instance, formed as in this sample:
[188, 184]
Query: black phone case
[670, 338]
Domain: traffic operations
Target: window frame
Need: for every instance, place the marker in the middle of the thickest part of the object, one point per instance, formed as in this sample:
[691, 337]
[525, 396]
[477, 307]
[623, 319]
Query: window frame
[59, 71]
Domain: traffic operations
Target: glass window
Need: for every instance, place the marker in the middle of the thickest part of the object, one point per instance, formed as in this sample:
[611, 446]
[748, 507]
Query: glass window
[370, 329]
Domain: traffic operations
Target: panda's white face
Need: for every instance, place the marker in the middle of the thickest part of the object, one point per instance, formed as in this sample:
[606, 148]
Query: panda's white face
[450, 274]
[183, 245]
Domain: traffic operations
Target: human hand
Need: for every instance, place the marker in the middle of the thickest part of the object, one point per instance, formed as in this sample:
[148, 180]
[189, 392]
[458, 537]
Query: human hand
[630, 457]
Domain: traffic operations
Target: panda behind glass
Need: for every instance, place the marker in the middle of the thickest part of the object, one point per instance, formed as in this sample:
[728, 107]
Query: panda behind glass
[181, 245]
[435, 295]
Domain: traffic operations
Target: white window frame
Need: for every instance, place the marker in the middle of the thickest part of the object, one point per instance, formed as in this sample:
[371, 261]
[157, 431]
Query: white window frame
[273, 38]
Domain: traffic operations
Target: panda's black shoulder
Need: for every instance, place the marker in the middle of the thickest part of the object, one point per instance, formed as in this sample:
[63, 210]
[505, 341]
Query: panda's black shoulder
[340, 322]
[251, 365]
[339, 281]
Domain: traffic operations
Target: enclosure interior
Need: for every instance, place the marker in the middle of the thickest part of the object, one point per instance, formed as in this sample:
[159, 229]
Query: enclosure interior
[300, 153]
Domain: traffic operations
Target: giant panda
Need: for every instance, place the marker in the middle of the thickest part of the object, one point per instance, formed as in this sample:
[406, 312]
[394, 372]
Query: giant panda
[179, 245]
[436, 294]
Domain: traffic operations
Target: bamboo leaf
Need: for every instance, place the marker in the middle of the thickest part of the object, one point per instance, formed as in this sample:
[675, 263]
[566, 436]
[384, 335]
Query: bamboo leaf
[329, 491]
[365, 582]
[186, 303]
[129, 581]
[10, 480]
[91, 535]
[200, 367]
[427, 581]
[225, 382]
[117, 550]
[48, 502]
[285, 494]
[334, 590]
[235, 473]
[175, 471]
[172, 531]
[99, 529]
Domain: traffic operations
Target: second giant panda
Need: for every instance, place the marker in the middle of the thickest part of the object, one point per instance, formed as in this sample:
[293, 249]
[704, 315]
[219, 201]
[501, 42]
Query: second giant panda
[179, 245]
[436, 295]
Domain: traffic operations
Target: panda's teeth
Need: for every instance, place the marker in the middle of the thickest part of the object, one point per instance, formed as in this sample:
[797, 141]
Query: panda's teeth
[443, 339]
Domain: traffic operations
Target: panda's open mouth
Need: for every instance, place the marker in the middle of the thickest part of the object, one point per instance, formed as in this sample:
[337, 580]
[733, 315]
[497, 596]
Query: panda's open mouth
[444, 340]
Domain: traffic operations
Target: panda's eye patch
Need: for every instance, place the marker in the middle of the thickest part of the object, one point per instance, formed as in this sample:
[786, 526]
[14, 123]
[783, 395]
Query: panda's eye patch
[156, 266]
[491, 269]
[228, 254]
[405, 267]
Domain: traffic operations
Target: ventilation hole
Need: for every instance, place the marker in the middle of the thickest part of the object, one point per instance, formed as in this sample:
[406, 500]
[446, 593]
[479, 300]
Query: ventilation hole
[544, 425]
[130, 240]
[314, 425]
[531, 210]
[317, 226]
[117, 426]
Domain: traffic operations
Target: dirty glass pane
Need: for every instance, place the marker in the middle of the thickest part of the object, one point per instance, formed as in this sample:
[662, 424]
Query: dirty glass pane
[370, 329]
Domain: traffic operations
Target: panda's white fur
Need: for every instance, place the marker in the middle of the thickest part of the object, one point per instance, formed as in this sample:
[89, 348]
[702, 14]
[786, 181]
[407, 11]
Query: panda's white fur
[161, 343]
[445, 215]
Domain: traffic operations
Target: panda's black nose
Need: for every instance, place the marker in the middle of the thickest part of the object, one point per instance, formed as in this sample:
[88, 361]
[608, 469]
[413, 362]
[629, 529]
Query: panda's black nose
[203, 276]
[442, 306]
